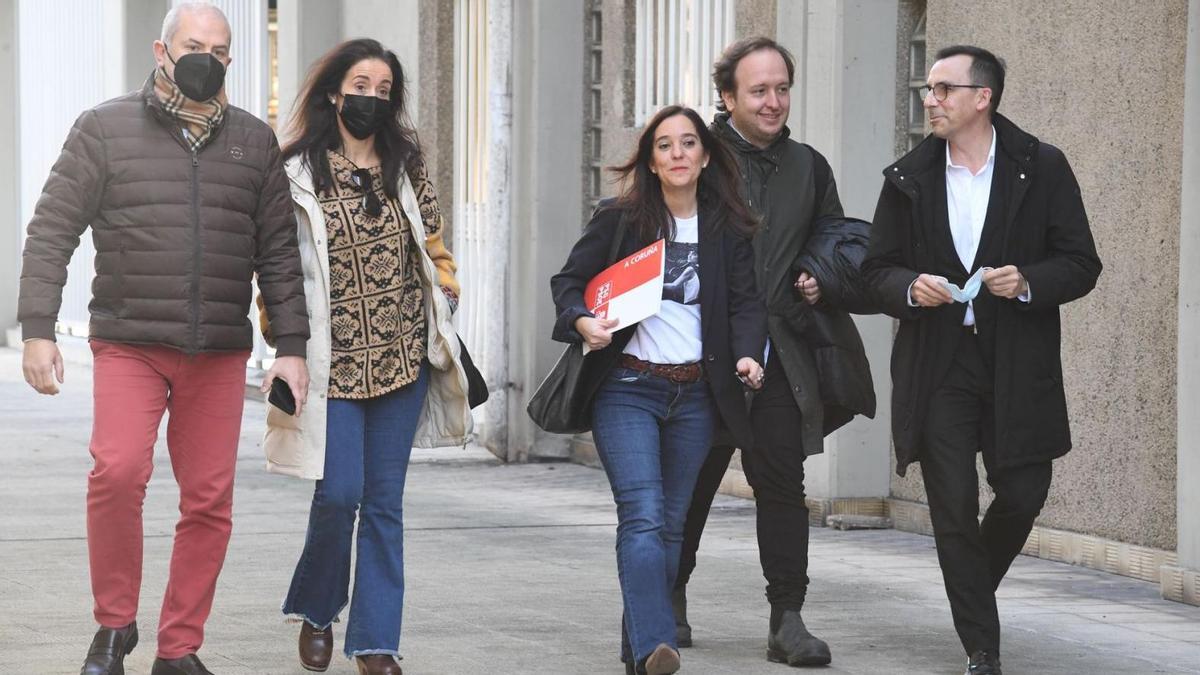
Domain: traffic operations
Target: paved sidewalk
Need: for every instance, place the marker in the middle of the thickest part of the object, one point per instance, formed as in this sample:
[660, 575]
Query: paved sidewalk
[511, 570]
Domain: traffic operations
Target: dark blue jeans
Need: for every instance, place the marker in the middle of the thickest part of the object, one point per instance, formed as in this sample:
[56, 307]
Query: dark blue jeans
[368, 444]
[652, 436]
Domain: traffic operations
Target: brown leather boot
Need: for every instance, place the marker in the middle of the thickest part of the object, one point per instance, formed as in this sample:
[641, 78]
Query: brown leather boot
[316, 647]
[378, 664]
[662, 661]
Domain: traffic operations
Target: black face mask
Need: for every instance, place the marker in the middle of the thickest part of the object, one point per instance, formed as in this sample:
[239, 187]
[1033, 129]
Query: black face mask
[364, 115]
[198, 76]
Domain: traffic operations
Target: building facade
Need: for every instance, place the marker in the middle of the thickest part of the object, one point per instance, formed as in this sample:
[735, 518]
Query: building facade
[521, 104]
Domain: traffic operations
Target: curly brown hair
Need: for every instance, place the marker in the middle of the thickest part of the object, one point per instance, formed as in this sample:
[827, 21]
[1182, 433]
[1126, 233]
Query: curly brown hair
[724, 68]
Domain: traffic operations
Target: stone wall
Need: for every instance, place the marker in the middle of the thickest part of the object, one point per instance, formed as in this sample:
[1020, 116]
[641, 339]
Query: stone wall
[434, 92]
[1104, 80]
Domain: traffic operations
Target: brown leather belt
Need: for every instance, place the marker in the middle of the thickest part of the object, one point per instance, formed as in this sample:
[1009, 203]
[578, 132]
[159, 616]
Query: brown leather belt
[684, 373]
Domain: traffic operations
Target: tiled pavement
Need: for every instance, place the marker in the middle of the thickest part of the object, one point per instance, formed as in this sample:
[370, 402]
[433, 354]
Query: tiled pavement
[510, 569]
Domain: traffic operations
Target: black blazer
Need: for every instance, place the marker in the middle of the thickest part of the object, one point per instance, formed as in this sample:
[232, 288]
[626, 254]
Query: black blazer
[733, 317]
[1036, 221]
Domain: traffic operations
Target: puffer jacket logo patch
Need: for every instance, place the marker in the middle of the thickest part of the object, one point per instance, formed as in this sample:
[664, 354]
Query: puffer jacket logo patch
[236, 152]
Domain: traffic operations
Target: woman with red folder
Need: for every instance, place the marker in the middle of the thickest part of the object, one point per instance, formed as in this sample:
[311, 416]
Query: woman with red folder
[675, 377]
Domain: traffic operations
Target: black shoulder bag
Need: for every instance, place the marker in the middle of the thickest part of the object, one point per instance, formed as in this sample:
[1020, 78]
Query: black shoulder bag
[562, 403]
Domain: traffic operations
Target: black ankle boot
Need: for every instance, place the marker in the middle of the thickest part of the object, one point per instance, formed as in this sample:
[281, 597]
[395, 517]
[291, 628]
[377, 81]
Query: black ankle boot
[683, 630]
[107, 654]
[790, 642]
[984, 662]
[187, 665]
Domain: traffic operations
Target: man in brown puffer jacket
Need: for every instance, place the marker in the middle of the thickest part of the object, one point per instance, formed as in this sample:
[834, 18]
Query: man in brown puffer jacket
[187, 200]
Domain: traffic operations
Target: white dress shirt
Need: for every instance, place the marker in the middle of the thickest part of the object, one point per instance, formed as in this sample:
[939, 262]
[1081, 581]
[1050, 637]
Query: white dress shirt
[967, 196]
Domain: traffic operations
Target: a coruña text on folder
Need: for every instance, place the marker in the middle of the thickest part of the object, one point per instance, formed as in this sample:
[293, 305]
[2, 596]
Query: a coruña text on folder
[630, 290]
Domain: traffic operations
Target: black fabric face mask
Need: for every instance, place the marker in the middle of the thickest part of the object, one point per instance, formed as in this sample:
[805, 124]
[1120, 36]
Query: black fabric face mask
[198, 76]
[364, 115]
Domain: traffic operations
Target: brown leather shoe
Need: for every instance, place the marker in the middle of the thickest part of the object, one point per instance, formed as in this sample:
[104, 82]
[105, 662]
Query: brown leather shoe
[106, 656]
[378, 664]
[662, 661]
[316, 647]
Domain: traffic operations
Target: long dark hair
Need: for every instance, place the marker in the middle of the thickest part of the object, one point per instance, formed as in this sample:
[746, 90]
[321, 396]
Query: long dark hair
[313, 129]
[718, 191]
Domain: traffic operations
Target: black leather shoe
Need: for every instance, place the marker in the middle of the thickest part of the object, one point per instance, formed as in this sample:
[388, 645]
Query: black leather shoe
[683, 630]
[984, 662]
[316, 647]
[790, 642]
[106, 656]
[188, 665]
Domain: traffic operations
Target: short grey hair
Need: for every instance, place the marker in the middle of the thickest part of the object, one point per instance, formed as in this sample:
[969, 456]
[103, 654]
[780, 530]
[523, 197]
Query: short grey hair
[171, 21]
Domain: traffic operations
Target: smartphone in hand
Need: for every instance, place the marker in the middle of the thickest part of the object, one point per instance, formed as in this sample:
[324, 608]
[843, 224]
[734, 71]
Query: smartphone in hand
[281, 396]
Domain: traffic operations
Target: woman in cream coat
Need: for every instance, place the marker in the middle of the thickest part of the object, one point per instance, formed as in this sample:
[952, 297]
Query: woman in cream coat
[383, 357]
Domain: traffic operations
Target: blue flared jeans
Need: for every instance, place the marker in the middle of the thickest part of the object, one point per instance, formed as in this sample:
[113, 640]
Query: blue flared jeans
[368, 444]
[652, 435]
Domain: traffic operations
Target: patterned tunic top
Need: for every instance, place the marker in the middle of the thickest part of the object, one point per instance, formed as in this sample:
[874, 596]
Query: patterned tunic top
[377, 304]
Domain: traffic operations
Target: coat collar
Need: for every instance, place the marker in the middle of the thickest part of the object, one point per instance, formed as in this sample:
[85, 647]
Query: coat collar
[299, 174]
[930, 154]
[738, 143]
[923, 170]
[711, 266]
[148, 95]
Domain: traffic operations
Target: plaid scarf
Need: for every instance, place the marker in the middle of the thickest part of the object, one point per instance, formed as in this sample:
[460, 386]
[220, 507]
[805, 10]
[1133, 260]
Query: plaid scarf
[199, 120]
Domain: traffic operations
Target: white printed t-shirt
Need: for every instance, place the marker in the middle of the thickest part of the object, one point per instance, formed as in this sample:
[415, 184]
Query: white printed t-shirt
[673, 335]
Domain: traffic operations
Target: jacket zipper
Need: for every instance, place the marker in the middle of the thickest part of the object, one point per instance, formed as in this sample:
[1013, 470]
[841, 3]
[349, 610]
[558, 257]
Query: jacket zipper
[194, 343]
[177, 133]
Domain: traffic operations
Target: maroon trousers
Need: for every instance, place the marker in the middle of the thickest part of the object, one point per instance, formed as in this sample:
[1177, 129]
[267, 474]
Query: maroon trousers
[204, 394]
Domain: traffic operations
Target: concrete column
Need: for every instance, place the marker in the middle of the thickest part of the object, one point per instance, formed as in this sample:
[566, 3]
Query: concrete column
[142, 25]
[496, 264]
[1182, 582]
[112, 32]
[752, 18]
[10, 214]
[396, 24]
[436, 101]
[83, 78]
[843, 105]
[307, 29]
[547, 169]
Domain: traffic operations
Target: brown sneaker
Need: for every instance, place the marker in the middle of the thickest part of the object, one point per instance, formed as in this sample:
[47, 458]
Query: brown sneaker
[662, 661]
[378, 664]
[316, 647]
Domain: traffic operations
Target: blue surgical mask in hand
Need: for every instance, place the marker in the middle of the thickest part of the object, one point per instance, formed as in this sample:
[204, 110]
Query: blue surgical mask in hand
[969, 290]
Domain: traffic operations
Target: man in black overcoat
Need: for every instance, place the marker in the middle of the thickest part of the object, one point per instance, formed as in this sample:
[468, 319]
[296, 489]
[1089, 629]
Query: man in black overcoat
[979, 373]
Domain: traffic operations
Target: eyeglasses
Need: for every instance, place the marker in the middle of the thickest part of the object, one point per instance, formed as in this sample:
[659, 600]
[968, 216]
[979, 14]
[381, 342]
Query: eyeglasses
[370, 203]
[942, 89]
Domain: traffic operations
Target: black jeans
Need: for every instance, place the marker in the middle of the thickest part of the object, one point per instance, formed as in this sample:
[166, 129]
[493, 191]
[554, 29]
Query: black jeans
[775, 469]
[974, 558]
